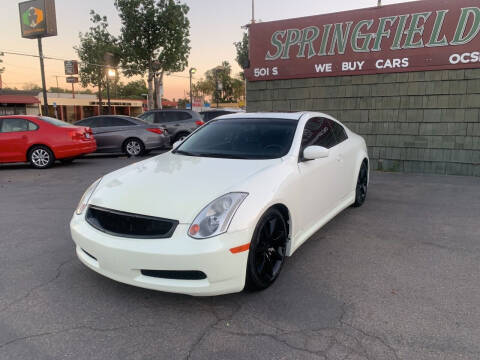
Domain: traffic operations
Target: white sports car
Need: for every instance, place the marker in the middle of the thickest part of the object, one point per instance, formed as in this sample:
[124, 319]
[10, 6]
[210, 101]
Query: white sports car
[222, 210]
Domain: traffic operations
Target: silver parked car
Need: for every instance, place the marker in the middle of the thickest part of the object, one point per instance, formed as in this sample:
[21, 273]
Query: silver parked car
[129, 135]
[179, 123]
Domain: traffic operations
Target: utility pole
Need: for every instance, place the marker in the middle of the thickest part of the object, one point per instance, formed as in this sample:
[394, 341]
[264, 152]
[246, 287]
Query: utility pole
[379, 2]
[253, 11]
[44, 84]
[191, 72]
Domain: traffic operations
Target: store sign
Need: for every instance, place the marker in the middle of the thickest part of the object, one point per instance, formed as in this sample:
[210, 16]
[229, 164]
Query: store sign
[71, 79]
[197, 103]
[412, 36]
[38, 18]
[71, 67]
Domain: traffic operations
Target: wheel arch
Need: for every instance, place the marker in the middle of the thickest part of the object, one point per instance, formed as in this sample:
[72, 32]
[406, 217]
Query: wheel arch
[124, 143]
[39, 144]
[288, 220]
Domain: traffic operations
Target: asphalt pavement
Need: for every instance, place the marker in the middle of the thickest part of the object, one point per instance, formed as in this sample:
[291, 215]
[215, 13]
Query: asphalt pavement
[398, 278]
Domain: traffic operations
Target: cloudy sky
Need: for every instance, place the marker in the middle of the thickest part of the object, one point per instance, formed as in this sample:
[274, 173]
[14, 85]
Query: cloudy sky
[215, 25]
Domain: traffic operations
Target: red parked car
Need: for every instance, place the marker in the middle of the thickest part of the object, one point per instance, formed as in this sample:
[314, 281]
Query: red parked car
[41, 140]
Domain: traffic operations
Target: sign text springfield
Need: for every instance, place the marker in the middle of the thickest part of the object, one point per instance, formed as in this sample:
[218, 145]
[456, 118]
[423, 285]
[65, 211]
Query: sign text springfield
[413, 36]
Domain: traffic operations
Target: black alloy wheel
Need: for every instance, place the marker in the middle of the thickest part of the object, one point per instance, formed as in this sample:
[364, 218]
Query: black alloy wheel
[267, 251]
[362, 186]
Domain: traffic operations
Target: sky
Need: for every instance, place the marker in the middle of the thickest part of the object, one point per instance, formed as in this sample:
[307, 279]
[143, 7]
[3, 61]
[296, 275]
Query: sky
[215, 26]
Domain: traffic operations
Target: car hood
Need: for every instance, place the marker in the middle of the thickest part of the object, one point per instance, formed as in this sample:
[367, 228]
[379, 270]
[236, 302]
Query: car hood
[175, 186]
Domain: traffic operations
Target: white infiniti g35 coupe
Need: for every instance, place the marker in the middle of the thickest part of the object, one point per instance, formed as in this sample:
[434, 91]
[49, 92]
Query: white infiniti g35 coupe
[223, 209]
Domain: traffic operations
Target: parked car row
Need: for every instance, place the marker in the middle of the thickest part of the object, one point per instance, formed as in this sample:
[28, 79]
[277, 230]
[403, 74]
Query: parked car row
[41, 140]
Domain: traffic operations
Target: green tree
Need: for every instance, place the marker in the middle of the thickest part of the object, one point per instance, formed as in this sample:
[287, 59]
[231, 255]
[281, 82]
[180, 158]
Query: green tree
[242, 53]
[154, 40]
[220, 85]
[133, 90]
[55, 89]
[94, 45]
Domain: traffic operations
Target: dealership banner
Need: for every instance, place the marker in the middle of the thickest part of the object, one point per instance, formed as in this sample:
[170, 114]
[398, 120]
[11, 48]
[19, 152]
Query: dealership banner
[411, 36]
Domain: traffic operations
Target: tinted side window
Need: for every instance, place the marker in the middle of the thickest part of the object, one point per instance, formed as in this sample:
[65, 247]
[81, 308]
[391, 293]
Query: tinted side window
[119, 122]
[318, 132]
[94, 122]
[17, 125]
[181, 115]
[32, 126]
[148, 117]
[339, 131]
[86, 122]
[166, 116]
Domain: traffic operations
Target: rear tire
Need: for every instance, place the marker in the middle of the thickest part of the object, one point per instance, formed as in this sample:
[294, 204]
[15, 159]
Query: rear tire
[41, 157]
[267, 251]
[362, 186]
[133, 147]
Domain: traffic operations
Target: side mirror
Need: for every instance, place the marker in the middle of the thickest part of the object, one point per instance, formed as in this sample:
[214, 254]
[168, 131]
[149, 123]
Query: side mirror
[315, 152]
[176, 144]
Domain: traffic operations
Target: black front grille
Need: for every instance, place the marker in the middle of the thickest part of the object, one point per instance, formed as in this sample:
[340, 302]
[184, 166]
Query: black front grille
[175, 274]
[129, 225]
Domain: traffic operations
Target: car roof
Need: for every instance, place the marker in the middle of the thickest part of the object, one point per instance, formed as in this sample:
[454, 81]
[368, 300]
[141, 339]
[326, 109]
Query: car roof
[272, 115]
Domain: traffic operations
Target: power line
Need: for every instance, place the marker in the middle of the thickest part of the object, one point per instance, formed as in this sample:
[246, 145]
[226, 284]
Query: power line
[81, 62]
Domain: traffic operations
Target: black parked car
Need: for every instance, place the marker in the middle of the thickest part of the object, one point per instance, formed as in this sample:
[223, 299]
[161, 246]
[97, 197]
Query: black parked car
[179, 123]
[133, 136]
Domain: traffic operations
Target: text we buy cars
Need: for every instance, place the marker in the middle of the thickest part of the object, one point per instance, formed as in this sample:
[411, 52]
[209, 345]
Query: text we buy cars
[414, 36]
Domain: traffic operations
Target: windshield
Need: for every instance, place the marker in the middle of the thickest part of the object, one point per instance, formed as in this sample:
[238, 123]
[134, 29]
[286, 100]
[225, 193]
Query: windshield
[55, 122]
[241, 139]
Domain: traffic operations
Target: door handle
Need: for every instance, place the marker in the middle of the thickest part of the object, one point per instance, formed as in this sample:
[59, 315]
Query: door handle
[339, 158]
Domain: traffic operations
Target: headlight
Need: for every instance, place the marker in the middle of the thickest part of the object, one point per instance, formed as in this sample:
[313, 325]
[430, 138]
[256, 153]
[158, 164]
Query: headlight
[86, 197]
[215, 218]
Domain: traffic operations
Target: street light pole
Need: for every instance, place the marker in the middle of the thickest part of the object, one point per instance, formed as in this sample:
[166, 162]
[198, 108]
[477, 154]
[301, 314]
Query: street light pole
[42, 70]
[379, 2]
[191, 72]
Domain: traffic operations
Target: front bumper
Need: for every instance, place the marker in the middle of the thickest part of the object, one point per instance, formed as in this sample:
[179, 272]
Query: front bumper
[122, 259]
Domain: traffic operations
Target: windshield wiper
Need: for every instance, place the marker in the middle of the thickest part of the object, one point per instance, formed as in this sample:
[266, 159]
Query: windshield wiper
[186, 153]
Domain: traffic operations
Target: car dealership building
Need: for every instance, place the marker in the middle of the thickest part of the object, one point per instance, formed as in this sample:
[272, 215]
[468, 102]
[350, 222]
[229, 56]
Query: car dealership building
[405, 76]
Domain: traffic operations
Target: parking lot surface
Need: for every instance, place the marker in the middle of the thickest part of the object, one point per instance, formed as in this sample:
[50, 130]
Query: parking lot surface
[398, 278]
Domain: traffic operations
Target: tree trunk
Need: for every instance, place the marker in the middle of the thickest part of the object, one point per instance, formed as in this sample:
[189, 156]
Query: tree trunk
[159, 90]
[151, 76]
[100, 99]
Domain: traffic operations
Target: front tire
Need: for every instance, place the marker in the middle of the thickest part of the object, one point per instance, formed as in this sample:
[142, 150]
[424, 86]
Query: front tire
[41, 157]
[133, 147]
[267, 251]
[362, 186]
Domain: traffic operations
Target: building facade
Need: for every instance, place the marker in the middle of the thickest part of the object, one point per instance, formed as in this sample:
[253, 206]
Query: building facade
[70, 109]
[18, 103]
[417, 103]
